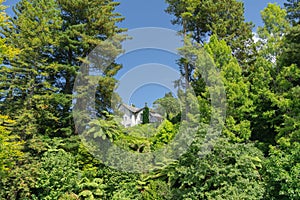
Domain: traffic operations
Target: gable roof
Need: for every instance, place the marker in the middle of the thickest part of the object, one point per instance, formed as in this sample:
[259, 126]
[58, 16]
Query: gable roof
[137, 110]
[156, 115]
[131, 108]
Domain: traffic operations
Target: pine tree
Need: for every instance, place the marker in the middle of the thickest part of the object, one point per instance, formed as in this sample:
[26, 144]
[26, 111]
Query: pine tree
[146, 115]
[55, 38]
[9, 145]
[275, 79]
[30, 94]
[263, 74]
[293, 9]
[288, 90]
[86, 25]
[225, 19]
[291, 48]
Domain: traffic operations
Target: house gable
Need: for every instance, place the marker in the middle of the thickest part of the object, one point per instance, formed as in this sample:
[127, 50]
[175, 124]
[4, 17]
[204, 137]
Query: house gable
[132, 116]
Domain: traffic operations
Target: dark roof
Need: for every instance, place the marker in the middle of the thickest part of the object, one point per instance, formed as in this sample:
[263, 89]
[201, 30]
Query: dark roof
[132, 109]
[137, 110]
[156, 115]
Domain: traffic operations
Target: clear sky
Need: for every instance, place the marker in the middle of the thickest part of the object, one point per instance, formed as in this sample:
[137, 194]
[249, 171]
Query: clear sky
[143, 13]
[150, 13]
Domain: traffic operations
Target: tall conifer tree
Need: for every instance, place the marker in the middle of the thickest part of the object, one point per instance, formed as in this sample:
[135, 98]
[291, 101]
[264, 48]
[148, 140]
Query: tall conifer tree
[54, 37]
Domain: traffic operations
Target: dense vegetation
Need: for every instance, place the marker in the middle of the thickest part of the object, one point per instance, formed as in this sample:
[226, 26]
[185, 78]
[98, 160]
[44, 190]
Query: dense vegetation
[257, 156]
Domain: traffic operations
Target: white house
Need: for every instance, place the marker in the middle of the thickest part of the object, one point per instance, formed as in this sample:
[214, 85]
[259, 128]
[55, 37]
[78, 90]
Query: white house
[133, 116]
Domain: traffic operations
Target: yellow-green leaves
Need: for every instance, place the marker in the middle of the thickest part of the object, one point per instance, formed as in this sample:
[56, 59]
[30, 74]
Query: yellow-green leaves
[10, 146]
[5, 50]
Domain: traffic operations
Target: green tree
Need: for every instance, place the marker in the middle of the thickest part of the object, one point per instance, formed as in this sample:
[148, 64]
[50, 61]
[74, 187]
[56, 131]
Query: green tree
[271, 34]
[293, 9]
[5, 50]
[291, 48]
[230, 171]
[282, 167]
[168, 106]
[282, 172]
[55, 39]
[263, 74]
[146, 115]
[30, 97]
[238, 103]
[217, 54]
[211, 17]
[10, 147]
[288, 81]
[275, 88]
[37, 87]
[165, 134]
[86, 24]
[57, 175]
[157, 190]
[91, 189]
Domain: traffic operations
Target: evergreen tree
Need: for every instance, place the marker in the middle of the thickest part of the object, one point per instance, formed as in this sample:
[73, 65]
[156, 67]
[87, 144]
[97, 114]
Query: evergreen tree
[146, 115]
[230, 171]
[55, 37]
[293, 9]
[30, 96]
[238, 103]
[225, 19]
[283, 165]
[291, 48]
[47, 42]
[202, 19]
[263, 74]
[37, 85]
[10, 150]
[168, 106]
[275, 91]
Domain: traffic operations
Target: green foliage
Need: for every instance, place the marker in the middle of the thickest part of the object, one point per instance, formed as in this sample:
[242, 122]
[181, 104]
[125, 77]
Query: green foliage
[42, 157]
[217, 54]
[271, 34]
[141, 130]
[54, 40]
[156, 190]
[104, 128]
[262, 76]
[168, 106]
[146, 115]
[21, 179]
[230, 171]
[165, 134]
[58, 174]
[10, 147]
[282, 172]
[145, 138]
[238, 103]
[293, 9]
[47, 176]
[5, 50]
[29, 92]
[91, 189]
[134, 143]
[120, 185]
[208, 17]
[291, 47]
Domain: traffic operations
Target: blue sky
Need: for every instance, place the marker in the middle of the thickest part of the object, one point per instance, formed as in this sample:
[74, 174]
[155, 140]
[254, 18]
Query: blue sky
[145, 13]
[141, 13]
[150, 13]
